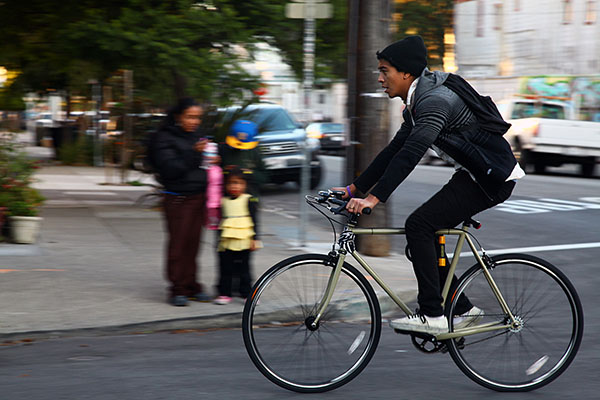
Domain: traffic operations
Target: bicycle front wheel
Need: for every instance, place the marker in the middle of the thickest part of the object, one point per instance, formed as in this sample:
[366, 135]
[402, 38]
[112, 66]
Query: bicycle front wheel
[277, 326]
[550, 317]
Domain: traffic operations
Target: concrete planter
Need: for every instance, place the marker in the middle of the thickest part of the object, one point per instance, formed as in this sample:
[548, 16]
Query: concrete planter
[25, 230]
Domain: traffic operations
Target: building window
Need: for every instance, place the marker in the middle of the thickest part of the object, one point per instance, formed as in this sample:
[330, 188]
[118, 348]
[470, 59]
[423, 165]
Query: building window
[480, 17]
[567, 11]
[590, 12]
[321, 98]
[497, 16]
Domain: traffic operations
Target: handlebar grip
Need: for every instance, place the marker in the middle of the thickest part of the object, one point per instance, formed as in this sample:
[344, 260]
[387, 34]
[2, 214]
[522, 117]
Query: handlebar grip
[366, 211]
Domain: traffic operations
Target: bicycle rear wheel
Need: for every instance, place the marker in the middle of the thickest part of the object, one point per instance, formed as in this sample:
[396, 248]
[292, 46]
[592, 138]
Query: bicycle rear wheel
[277, 331]
[548, 309]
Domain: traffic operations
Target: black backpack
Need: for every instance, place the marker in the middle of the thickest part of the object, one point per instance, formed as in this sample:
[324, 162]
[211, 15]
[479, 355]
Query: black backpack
[483, 107]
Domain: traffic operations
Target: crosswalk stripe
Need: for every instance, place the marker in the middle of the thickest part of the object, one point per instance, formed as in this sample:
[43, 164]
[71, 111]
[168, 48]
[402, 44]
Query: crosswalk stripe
[545, 205]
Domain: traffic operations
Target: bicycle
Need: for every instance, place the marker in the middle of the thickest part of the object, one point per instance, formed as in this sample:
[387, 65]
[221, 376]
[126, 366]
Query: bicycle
[313, 321]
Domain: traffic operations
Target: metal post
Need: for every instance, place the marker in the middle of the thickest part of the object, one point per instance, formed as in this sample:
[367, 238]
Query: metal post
[309, 66]
[351, 141]
[127, 124]
[97, 97]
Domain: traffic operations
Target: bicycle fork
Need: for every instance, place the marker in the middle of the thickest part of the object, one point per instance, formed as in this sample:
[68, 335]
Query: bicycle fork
[331, 284]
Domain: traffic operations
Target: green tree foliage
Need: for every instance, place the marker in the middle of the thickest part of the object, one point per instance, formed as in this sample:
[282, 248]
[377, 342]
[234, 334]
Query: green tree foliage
[428, 18]
[175, 48]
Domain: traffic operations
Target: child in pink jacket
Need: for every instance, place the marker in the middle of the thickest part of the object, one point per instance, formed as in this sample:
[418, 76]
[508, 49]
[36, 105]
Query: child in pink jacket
[214, 189]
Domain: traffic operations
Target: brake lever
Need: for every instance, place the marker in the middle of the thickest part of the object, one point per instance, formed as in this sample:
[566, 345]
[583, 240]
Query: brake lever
[338, 210]
[338, 194]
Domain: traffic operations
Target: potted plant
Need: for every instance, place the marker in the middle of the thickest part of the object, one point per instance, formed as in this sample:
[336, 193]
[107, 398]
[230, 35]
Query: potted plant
[19, 200]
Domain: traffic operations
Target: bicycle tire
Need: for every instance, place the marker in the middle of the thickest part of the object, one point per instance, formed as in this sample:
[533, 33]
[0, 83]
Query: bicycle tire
[276, 321]
[542, 298]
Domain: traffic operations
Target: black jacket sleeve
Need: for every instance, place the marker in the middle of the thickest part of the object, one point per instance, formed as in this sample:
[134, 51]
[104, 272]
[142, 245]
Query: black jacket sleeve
[253, 209]
[431, 115]
[375, 170]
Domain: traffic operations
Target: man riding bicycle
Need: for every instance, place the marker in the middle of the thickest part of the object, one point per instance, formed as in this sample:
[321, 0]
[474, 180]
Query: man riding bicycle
[445, 113]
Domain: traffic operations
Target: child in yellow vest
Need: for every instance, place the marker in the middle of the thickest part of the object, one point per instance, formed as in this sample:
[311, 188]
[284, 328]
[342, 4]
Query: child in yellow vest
[237, 235]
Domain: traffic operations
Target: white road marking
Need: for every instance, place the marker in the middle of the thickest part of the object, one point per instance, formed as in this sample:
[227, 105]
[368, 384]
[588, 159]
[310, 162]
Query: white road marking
[545, 205]
[536, 249]
[577, 203]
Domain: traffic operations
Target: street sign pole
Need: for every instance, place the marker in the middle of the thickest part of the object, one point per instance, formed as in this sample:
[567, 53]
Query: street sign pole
[309, 10]
[309, 71]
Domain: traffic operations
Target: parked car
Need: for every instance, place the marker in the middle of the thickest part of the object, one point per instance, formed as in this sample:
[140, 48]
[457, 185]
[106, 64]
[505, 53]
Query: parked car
[282, 140]
[330, 135]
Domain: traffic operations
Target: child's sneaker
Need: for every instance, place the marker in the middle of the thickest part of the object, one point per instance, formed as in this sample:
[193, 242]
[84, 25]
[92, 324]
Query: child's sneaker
[222, 300]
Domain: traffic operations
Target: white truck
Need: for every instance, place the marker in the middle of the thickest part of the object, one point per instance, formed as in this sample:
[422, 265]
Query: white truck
[545, 133]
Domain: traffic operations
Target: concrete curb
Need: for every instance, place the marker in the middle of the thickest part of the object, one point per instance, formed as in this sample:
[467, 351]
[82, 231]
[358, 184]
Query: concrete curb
[219, 321]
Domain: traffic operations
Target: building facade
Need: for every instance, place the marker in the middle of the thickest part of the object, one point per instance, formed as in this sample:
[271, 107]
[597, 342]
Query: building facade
[281, 86]
[527, 37]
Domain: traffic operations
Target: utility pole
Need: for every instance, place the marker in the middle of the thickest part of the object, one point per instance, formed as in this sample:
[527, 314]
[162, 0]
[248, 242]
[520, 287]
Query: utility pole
[367, 105]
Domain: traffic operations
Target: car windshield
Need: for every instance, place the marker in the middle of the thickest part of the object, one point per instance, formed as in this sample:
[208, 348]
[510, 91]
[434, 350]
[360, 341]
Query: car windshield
[553, 111]
[541, 110]
[524, 110]
[331, 127]
[272, 119]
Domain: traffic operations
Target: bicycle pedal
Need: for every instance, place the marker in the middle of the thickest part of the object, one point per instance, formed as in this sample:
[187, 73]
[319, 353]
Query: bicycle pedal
[427, 343]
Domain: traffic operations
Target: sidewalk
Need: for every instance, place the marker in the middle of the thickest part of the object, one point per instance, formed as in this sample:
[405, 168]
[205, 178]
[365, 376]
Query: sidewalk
[98, 265]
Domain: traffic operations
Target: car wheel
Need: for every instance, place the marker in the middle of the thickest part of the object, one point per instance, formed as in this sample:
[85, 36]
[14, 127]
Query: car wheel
[587, 168]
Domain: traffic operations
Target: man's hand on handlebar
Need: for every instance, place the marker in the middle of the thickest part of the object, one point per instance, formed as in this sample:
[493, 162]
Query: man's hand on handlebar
[356, 205]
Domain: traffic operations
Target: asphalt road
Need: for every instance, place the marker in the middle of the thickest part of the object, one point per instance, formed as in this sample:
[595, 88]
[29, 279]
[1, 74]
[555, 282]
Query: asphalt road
[554, 217]
[214, 365]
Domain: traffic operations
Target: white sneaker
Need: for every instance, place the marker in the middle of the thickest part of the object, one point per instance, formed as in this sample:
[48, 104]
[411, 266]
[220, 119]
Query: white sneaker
[421, 323]
[467, 319]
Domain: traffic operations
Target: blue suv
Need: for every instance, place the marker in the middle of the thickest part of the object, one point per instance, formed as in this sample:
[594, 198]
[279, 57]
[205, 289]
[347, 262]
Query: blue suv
[281, 141]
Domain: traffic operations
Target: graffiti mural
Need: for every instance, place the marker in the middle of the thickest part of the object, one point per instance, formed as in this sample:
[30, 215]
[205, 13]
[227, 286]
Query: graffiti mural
[583, 92]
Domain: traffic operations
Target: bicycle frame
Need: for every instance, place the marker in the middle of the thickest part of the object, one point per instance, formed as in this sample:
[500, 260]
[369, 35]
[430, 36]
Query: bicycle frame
[462, 235]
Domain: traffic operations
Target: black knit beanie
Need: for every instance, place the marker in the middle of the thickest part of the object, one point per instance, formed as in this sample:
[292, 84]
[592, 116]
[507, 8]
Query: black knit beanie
[406, 55]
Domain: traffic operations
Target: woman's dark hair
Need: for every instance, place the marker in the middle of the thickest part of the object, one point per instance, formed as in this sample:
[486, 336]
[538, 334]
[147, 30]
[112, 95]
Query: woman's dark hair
[238, 172]
[178, 109]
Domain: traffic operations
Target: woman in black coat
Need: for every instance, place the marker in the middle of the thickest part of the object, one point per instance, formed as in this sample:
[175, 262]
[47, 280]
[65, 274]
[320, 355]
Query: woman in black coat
[176, 154]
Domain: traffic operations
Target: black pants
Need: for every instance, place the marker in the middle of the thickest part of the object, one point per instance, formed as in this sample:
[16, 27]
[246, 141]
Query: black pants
[234, 264]
[184, 216]
[458, 200]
